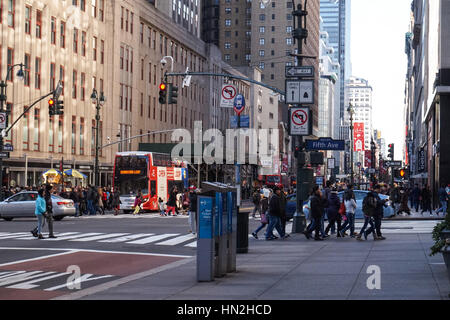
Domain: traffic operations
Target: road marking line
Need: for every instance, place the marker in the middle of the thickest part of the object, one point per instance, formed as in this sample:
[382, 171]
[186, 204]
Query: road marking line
[81, 235]
[177, 240]
[14, 235]
[111, 235]
[69, 251]
[192, 244]
[31, 284]
[56, 234]
[118, 282]
[24, 277]
[128, 238]
[154, 238]
[72, 250]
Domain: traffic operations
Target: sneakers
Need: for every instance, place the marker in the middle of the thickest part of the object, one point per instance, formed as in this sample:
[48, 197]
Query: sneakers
[255, 236]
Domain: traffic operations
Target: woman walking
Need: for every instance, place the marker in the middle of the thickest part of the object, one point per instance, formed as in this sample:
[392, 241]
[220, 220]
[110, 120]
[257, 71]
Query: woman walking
[334, 203]
[263, 214]
[40, 210]
[350, 208]
[115, 202]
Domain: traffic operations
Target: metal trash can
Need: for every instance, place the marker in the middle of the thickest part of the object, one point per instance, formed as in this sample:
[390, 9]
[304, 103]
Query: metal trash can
[242, 231]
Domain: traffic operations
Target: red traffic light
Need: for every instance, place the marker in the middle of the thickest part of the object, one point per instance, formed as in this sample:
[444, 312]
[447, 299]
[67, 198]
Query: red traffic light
[162, 86]
[51, 102]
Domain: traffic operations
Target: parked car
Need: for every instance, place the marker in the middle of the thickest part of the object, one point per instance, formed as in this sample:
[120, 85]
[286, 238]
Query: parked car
[22, 205]
[291, 205]
[360, 195]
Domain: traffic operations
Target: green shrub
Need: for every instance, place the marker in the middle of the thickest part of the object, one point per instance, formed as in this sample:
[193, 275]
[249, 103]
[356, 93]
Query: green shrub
[439, 243]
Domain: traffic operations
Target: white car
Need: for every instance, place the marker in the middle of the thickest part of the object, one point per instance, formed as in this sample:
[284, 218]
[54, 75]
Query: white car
[23, 204]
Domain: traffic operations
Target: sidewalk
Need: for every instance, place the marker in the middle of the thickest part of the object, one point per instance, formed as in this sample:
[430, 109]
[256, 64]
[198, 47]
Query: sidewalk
[297, 269]
[416, 215]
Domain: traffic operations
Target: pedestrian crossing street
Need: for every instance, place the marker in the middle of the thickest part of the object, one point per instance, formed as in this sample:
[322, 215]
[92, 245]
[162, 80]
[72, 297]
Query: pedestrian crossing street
[166, 239]
[130, 216]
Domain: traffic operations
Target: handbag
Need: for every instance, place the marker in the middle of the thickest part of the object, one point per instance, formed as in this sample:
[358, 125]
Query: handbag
[342, 209]
[264, 218]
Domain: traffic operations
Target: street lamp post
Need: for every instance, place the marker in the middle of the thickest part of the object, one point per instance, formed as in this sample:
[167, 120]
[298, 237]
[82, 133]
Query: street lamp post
[373, 150]
[3, 98]
[352, 112]
[99, 101]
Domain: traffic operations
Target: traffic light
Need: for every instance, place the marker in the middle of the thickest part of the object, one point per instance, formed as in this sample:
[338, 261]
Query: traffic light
[51, 107]
[59, 107]
[391, 153]
[173, 94]
[162, 93]
[402, 173]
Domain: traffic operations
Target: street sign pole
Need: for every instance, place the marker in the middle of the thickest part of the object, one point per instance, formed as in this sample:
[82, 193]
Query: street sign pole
[299, 220]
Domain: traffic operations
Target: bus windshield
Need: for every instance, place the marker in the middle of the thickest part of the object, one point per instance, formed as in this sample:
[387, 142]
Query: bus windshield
[131, 175]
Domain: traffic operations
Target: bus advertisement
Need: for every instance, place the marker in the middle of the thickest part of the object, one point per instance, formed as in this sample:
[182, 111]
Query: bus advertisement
[153, 174]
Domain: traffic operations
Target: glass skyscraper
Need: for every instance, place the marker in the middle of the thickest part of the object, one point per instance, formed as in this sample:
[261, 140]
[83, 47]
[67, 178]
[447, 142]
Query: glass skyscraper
[336, 22]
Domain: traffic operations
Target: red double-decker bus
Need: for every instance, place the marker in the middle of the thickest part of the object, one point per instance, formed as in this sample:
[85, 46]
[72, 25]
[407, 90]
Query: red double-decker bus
[153, 174]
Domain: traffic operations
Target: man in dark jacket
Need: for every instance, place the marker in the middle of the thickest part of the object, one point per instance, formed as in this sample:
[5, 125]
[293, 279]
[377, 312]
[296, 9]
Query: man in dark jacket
[334, 217]
[274, 216]
[378, 214]
[49, 205]
[317, 210]
[415, 197]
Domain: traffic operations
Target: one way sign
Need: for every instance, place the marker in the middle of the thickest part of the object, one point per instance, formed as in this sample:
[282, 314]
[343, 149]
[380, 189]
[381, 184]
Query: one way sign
[306, 72]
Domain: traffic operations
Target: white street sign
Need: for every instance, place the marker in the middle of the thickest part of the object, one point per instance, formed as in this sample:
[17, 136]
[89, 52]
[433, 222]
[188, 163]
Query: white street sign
[229, 93]
[300, 91]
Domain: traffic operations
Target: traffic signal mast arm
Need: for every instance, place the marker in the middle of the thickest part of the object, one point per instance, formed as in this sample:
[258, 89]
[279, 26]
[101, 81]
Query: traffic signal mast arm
[230, 76]
[26, 111]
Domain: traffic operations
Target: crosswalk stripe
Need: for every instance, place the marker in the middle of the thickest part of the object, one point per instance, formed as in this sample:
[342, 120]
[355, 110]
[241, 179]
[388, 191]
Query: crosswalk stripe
[80, 235]
[192, 244]
[154, 238]
[177, 240]
[94, 238]
[56, 234]
[14, 235]
[128, 238]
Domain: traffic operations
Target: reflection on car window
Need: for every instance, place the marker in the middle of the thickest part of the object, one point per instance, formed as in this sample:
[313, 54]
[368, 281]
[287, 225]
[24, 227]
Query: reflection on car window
[360, 195]
[28, 197]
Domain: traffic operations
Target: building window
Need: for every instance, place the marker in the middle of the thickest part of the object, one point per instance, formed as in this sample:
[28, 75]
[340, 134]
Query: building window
[81, 136]
[83, 43]
[63, 35]
[75, 40]
[38, 24]
[37, 73]
[74, 84]
[74, 135]
[94, 47]
[61, 78]
[51, 142]
[36, 130]
[83, 86]
[102, 51]
[10, 63]
[25, 128]
[27, 19]
[53, 30]
[11, 12]
[101, 10]
[94, 8]
[52, 76]
[60, 135]
[27, 70]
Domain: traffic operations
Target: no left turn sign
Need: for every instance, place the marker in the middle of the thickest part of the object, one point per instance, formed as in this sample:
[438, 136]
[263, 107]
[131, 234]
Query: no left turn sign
[300, 123]
[229, 93]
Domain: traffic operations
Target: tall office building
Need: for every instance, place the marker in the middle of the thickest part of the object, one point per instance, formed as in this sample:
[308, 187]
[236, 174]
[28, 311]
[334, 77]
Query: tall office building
[336, 21]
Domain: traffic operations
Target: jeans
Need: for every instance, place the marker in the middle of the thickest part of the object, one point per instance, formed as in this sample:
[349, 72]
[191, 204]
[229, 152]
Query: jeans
[443, 207]
[77, 209]
[332, 224]
[377, 219]
[256, 209]
[193, 221]
[367, 220]
[274, 223]
[40, 218]
[350, 223]
[90, 207]
[313, 224]
[262, 226]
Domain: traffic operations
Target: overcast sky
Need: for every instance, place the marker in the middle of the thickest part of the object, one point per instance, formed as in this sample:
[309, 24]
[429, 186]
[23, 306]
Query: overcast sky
[378, 55]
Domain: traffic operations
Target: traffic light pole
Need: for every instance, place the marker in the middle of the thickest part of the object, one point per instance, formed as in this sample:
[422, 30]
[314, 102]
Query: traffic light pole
[299, 220]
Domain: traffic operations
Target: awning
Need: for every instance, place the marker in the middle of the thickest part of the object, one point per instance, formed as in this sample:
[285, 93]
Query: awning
[75, 174]
[52, 172]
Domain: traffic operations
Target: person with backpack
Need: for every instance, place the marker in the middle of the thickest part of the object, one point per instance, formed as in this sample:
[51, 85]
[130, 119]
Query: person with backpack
[350, 209]
[369, 207]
